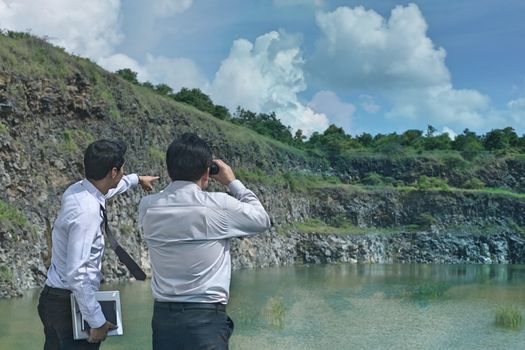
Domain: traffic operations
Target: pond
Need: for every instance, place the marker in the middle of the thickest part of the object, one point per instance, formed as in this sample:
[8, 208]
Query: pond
[348, 306]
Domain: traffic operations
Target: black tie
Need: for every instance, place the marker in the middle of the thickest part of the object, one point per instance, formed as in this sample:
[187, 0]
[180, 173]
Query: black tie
[123, 256]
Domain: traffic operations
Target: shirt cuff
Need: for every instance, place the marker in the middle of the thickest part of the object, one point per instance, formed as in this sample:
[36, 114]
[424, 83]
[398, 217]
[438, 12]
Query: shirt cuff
[98, 320]
[236, 186]
[133, 179]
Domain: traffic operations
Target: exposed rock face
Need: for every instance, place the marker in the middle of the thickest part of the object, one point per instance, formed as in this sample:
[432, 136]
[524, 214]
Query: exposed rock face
[404, 247]
[46, 128]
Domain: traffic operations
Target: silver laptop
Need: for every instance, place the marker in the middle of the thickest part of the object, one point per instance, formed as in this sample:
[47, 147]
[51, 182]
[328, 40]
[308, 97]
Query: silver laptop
[110, 304]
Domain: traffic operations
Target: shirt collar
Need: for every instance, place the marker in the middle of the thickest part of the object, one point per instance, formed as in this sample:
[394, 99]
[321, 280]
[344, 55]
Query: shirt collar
[182, 185]
[94, 192]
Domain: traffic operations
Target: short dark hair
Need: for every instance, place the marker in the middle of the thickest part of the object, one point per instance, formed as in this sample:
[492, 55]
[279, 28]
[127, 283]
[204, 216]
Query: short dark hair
[188, 158]
[101, 156]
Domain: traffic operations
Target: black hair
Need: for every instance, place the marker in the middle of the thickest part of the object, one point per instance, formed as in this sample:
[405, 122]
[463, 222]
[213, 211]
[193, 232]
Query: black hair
[101, 156]
[188, 158]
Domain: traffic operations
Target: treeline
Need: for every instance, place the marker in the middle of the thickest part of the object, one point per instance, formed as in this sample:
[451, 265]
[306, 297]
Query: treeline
[334, 142]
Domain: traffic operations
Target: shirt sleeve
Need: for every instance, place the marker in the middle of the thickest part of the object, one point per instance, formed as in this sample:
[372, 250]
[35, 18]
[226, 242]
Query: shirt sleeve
[83, 231]
[243, 215]
[142, 209]
[127, 182]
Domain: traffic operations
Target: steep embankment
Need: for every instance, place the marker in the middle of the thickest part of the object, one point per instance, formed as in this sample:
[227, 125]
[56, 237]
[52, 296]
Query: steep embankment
[53, 104]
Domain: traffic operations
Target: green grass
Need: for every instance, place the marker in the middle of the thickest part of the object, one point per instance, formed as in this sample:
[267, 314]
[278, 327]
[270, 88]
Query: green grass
[296, 181]
[3, 129]
[426, 292]
[431, 290]
[33, 56]
[517, 228]
[6, 274]
[494, 191]
[10, 215]
[126, 229]
[68, 143]
[274, 313]
[75, 140]
[406, 188]
[267, 161]
[337, 226]
[509, 317]
[156, 154]
[428, 182]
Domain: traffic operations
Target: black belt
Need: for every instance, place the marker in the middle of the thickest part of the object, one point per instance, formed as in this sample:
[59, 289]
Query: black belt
[179, 306]
[56, 291]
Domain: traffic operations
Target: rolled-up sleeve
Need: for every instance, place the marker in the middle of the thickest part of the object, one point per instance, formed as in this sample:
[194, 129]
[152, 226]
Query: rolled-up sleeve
[84, 229]
[127, 182]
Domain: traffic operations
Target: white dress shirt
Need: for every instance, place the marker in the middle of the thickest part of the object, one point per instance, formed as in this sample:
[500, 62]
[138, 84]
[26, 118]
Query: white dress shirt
[78, 245]
[187, 231]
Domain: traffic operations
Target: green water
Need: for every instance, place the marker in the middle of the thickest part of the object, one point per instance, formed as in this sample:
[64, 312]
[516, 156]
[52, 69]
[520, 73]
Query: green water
[331, 307]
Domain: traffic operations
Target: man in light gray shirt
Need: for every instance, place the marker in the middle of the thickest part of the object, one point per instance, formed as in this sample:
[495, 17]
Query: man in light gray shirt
[187, 231]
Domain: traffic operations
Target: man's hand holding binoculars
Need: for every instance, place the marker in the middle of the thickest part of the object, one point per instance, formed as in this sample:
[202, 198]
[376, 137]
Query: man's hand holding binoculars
[225, 174]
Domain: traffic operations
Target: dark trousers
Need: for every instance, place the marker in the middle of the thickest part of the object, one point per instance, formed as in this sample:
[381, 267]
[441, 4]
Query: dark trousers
[54, 309]
[192, 326]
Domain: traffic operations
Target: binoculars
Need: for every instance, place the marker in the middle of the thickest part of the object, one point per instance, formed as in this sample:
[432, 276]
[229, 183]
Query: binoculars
[214, 169]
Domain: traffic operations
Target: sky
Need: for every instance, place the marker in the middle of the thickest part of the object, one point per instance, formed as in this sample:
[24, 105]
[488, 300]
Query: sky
[375, 66]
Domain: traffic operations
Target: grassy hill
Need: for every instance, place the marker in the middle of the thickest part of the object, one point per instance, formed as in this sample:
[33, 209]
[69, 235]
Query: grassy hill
[53, 104]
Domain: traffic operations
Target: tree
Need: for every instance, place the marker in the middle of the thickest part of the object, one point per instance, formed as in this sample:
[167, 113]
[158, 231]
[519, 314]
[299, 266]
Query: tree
[299, 138]
[430, 131]
[333, 141]
[163, 89]
[148, 85]
[500, 139]
[388, 143]
[128, 75]
[264, 124]
[411, 137]
[221, 112]
[468, 143]
[442, 142]
[199, 100]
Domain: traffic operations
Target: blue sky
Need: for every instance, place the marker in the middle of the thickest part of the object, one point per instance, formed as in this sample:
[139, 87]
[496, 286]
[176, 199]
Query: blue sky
[368, 66]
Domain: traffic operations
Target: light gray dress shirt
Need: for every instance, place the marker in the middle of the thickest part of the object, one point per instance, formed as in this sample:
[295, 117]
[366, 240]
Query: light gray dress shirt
[78, 245]
[187, 231]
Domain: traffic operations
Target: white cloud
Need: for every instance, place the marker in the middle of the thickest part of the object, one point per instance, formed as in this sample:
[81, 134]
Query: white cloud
[265, 77]
[298, 2]
[517, 104]
[176, 72]
[368, 104]
[367, 51]
[516, 112]
[121, 61]
[92, 29]
[361, 50]
[340, 113]
[441, 104]
[86, 28]
[451, 133]
[166, 8]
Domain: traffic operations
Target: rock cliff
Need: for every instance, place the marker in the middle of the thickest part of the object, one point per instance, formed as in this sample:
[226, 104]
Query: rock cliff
[53, 105]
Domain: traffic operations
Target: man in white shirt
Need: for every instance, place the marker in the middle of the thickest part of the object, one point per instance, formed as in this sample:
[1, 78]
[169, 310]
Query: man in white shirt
[78, 246]
[187, 231]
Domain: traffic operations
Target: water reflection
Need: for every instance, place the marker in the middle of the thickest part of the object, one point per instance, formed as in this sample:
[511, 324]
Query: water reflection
[333, 307]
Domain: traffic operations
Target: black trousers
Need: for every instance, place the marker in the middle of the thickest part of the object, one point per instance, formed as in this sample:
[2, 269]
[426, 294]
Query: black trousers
[54, 309]
[192, 326]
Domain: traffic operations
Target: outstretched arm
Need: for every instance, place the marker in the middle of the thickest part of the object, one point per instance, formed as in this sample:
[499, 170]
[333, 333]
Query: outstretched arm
[147, 182]
[132, 180]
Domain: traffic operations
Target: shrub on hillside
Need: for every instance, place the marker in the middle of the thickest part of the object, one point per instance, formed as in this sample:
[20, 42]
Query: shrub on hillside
[424, 221]
[375, 179]
[428, 182]
[473, 184]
